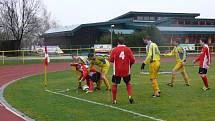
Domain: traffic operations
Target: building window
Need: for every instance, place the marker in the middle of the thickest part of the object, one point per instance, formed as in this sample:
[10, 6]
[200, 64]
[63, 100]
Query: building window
[180, 22]
[139, 17]
[159, 18]
[195, 22]
[146, 18]
[187, 22]
[208, 23]
[152, 18]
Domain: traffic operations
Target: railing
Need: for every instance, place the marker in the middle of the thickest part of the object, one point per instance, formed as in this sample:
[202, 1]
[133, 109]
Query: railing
[23, 56]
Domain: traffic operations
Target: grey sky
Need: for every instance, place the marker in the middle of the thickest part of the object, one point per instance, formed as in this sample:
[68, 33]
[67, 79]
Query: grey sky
[69, 12]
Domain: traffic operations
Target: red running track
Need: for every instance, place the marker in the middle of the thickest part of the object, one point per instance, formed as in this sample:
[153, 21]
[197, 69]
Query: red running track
[13, 72]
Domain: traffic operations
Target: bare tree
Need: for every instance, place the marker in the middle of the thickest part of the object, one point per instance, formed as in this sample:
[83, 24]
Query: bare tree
[19, 17]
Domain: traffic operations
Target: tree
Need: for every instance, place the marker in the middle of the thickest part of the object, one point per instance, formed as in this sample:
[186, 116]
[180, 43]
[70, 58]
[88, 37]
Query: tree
[21, 20]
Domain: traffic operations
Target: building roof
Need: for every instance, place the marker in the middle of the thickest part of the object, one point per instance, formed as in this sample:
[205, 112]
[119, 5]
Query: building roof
[62, 29]
[188, 30]
[163, 14]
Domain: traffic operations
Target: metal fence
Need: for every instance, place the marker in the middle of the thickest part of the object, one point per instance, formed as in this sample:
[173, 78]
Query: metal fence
[23, 56]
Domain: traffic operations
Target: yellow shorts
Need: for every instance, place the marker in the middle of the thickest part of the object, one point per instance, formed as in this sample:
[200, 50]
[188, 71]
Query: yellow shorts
[104, 69]
[153, 69]
[179, 67]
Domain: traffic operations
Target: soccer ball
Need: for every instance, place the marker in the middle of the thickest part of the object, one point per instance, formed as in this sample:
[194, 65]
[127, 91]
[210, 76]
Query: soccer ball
[85, 88]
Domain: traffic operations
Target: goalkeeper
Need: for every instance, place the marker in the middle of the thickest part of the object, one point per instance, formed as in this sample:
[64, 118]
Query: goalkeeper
[180, 55]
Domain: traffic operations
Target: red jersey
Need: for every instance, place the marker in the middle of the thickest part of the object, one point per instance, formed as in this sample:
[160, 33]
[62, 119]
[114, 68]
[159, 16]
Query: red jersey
[205, 57]
[81, 68]
[122, 59]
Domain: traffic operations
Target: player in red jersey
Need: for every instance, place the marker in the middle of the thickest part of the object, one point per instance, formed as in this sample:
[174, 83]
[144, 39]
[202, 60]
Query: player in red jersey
[122, 59]
[90, 77]
[204, 63]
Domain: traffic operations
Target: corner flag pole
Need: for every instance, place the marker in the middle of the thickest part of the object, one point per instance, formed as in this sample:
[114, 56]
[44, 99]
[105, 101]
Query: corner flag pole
[46, 61]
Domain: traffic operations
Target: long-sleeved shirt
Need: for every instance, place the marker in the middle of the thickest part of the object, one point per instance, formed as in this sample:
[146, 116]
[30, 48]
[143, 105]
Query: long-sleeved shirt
[153, 53]
[205, 57]
[179, 53]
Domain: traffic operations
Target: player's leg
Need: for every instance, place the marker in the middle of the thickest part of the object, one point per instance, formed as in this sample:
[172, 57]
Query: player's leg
[104, 71]
[115, 80]
[153, 73]
[174, 72]
[202, 73]
[129, 88]
[90, 84]
[185, 76]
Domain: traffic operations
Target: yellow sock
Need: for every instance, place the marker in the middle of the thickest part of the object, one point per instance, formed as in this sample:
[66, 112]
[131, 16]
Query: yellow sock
[173, 78]
[155, 85]
[106, 81]
[185, 76]
[99, 83]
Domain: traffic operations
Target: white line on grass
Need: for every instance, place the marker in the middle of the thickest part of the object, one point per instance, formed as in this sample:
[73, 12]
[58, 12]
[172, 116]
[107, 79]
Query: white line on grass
[105, 105]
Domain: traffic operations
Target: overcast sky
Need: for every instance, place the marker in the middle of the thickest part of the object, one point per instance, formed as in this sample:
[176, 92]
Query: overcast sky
[70, 12]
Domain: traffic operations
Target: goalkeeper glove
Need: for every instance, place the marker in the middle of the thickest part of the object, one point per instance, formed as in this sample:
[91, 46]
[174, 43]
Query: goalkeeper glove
[143, 66]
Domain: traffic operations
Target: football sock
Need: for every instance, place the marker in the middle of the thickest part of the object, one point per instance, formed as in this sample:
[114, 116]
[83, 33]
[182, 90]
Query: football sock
[106, 81]
[99, 83]
[91, 85]
[114, 91]
[173, 78]
[185, 76]
[129, 88]
[155, 86]
[205, 80]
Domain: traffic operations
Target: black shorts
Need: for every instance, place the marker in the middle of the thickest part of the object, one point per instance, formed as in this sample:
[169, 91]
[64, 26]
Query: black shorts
[203, 71]
[96, 77]
[117, 79]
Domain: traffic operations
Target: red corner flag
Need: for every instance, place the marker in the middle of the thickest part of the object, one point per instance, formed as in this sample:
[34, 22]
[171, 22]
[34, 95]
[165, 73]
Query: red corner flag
[47, 60]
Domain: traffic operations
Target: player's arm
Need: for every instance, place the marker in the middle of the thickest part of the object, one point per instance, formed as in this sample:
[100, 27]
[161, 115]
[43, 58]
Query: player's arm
[184, 59]
[197, 59]
[131, 57]
[84, 73]
[111, 59]
[172, 53]
[208, 56]
[91, 65]
[149, 55]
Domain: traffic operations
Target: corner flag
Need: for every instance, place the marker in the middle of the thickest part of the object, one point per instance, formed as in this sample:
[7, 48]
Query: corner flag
[46, 61]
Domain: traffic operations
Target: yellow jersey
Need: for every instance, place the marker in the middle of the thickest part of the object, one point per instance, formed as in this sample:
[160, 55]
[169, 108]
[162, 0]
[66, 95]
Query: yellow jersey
[153, 53]
[100, 61]
[179, 53]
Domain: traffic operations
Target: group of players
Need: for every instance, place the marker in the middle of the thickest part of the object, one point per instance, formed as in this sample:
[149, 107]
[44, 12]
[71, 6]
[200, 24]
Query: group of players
[123, 58]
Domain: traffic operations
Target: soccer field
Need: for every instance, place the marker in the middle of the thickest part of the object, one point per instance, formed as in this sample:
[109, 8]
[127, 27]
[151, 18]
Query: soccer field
[63, 102]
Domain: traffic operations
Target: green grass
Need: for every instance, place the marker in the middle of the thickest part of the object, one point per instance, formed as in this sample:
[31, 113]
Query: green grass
[178, 103]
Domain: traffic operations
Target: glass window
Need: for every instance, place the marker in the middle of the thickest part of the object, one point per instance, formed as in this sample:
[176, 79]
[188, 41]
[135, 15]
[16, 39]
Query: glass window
[152, 18]
[139, 17]
[146, 18]
[159, 18]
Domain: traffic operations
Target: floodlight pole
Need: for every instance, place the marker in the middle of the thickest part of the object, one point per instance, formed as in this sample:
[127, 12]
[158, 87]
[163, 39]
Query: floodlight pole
[111, 34]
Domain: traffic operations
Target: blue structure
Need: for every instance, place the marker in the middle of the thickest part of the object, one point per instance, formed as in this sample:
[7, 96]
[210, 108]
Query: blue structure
[180, 26]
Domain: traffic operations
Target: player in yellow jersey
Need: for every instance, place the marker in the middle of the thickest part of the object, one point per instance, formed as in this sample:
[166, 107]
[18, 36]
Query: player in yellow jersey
[153, 59]
[103, 64]
[180, 55]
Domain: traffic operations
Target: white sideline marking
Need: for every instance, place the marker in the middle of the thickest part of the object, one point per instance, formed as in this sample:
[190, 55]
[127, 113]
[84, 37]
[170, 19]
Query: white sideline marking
[3, 105]
[105, 105]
